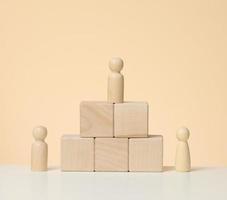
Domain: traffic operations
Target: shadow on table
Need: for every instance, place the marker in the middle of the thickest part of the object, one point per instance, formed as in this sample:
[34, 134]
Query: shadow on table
[198, 169]
[172, 168]
[53, 168]
[165, 168]
[168, 168]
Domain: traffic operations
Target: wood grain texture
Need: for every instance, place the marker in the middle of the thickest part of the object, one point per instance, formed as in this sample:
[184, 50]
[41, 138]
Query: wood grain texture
[96, 119]
[111, 154]
[131, 119]
[146, 154]
[77, 154]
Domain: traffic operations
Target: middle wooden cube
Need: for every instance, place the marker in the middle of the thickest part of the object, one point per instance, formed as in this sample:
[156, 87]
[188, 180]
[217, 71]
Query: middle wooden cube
[111, 154]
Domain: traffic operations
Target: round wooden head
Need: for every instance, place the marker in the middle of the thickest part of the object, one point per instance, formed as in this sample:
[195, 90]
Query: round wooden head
[116, 64]
[40, 133]
[183, 134]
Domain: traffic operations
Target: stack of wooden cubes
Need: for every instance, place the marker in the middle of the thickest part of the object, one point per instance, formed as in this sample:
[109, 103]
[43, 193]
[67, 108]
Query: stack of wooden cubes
[113, 137]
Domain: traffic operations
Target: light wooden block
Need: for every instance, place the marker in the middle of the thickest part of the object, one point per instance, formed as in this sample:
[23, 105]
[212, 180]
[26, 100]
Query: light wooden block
[77, 154]
[111, 154]
[131, 119]
[96, 119]
[146, 154]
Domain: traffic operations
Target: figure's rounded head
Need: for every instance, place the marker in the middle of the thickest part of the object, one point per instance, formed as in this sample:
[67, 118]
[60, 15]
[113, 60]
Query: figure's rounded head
[183, 134]
[116, 64]
[40, 132]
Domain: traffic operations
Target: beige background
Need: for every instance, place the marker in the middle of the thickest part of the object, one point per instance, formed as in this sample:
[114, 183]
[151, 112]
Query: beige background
[53, 54]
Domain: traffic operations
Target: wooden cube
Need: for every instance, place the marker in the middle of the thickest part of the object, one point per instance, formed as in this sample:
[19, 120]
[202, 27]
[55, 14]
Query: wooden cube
[77, 154]
[111, 154]
[146, 154]
[96, 119]
[131, 119]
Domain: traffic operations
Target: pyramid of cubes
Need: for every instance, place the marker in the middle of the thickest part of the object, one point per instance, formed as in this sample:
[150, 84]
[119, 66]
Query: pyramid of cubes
[113, 134]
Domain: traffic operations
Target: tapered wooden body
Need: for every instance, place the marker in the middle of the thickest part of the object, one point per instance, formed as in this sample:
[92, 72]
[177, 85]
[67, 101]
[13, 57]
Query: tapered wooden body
[115, 87]
[183, 160]
[39, 155]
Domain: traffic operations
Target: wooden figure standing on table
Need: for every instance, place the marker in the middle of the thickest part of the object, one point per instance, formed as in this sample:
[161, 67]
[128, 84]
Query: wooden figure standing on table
[116, 81]
[39, 154]
[183, 160]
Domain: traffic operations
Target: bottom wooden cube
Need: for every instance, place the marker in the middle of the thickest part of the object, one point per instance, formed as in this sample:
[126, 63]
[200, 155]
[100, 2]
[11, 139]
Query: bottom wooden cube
[111, 154]
[146, 154]
[77, 154]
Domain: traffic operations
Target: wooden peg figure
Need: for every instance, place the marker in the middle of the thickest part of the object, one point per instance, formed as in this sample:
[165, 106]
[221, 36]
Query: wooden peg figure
[116, 81]
[39, 153]
[183, 160]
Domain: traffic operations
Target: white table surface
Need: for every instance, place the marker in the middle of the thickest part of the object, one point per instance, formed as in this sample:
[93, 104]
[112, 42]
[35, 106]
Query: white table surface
[202, 183]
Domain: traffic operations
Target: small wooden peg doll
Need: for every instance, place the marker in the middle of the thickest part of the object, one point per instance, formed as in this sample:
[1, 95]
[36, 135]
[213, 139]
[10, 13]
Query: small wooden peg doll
[183, 160]
[39, 152]
[116, 81]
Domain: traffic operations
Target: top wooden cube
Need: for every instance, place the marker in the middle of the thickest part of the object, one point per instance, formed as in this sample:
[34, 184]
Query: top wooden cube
[103, 119]
[131, 119]
[96, 119]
